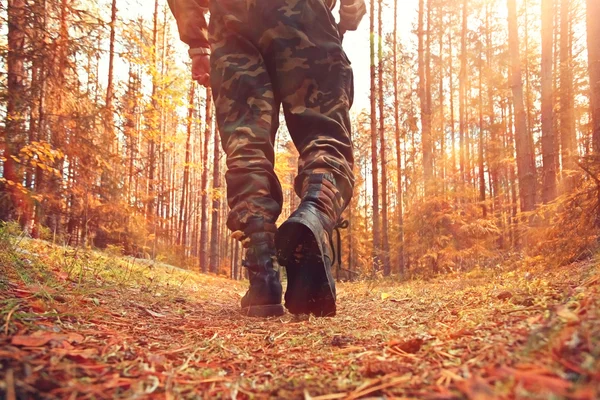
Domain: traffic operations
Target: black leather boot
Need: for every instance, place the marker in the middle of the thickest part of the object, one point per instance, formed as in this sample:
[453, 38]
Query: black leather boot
[263, 298]
[303, 247]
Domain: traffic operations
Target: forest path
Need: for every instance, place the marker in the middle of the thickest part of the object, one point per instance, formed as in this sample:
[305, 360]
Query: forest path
[87, 325]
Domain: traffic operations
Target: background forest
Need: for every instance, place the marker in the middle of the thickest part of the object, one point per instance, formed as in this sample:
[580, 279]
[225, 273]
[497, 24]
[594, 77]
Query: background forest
[479, 143]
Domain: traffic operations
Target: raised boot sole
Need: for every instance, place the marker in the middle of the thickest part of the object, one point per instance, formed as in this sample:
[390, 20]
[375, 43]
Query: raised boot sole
[269, 310]
[308, 290]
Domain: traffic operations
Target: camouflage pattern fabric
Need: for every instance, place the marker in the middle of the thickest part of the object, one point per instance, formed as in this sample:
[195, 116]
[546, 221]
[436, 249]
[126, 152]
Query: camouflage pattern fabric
[272, 53]
[191, 21]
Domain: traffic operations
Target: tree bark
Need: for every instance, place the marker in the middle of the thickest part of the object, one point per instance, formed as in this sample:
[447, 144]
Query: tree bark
[548, 141]
[567, 118]
[451, 95]
[593, 43]
[462, 82]
[152, 142]
[111, 58]
[382, 142]
[374, 161]
[399, 197]
[204, 185]
[481, 140]
[424, 95]
[525, 165]
[183, 217]
[214, 231]
[15, 109]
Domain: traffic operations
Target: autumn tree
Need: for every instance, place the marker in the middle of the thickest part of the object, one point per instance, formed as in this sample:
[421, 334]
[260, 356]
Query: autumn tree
[593, 43]
[525, 157]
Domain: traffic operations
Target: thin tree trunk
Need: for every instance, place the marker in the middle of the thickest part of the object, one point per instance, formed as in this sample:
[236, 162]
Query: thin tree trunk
[399, 198]
[382, 142]
[204, 185]
[462, 82]
[111, 59]
[493, 145]
[481, 139]
[548, 141]
[15, 108]
[183, 222]
[442, 159]
[424, 94]
[41, 121]
[214, 230]
[374, 161]
[525, 164]
[451, 95]
[59, 130]
[153, 127]
[567, 118]
[593, 42]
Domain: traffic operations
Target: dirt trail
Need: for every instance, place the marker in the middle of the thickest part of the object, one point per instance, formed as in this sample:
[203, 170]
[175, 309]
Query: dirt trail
[90, 333]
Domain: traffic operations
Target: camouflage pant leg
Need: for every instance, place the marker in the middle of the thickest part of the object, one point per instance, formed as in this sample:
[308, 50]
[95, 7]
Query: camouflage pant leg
[313, 76]
[247, 116]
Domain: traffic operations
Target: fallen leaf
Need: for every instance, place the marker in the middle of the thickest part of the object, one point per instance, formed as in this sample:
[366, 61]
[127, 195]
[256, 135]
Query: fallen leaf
[567, 315]
[34, 340]
[154, 313]
[77, 353]
[400, 300]
[40, 338]
[73, 337]
[504, 295]
[374, 368]
[408, 346]
[340, 340]
[461, 333]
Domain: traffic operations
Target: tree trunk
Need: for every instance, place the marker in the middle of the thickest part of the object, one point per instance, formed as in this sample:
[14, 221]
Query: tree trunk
[481, 140]
[385, 259]
[548, 141]
[399, 197]
[525, 164]
[15, 109]
[152, 142]
[441, 167]
[374, 161]
[593, 43]
[183, 217]
[111, 59]
[424, 94]
[41, 23]
[214, 229]
[59, 131]
[567, 117]
[451, 95]
[462, 82]
[204, 184]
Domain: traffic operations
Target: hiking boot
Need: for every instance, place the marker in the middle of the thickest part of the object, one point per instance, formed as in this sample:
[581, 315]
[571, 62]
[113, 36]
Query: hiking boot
[303, 247]
[263, 298]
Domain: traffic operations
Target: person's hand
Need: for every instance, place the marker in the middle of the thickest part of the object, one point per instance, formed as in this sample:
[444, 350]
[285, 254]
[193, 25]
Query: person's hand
[201, 69]
[351, 13]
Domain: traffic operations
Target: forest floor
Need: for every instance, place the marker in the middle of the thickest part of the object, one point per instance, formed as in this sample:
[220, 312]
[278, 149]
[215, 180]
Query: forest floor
[80, 324]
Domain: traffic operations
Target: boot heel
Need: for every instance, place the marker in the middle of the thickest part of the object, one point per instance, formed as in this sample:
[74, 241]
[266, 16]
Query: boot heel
[310, 288]
[269, 310]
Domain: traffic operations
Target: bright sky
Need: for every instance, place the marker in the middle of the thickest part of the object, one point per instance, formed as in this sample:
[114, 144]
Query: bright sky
[356, 44]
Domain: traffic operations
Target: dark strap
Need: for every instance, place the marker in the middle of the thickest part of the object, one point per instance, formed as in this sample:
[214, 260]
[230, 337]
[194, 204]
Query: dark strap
[337, 255]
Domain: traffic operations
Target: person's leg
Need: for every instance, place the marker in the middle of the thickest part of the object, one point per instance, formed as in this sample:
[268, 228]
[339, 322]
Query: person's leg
[247, 117]
[313, 76]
